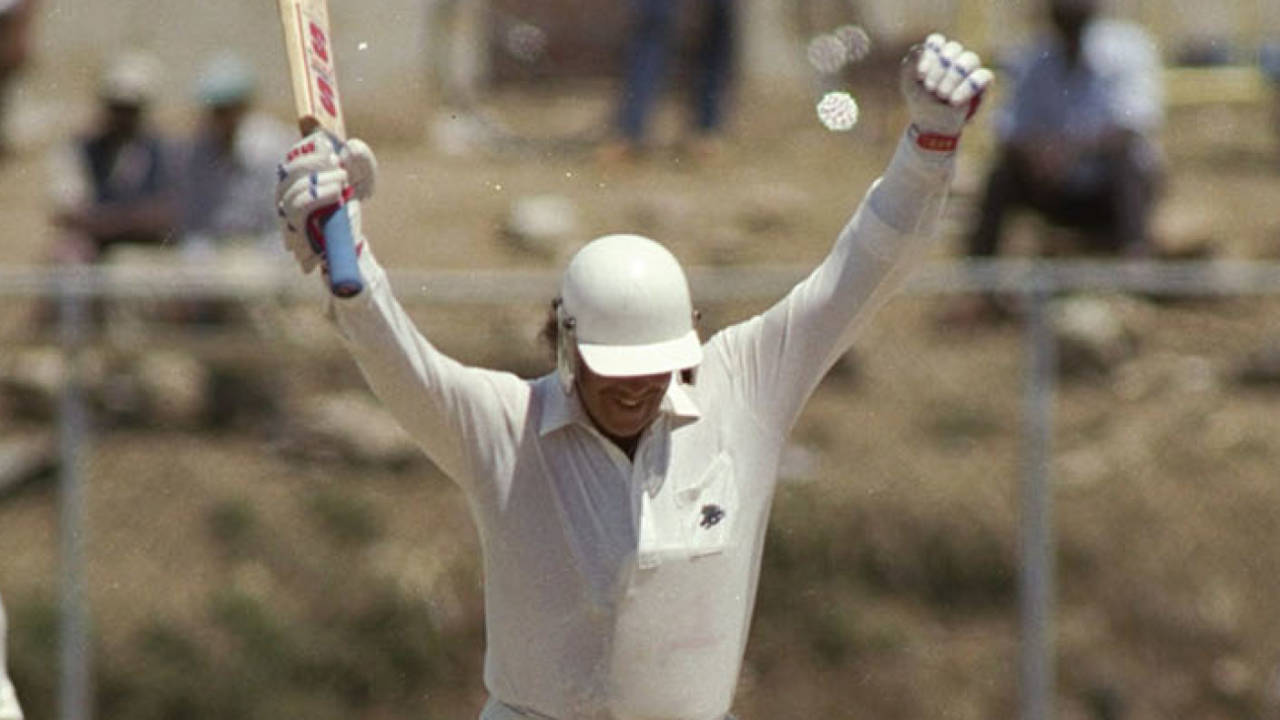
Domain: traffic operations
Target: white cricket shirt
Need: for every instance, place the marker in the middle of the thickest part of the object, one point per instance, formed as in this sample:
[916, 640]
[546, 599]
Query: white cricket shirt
[619, 590]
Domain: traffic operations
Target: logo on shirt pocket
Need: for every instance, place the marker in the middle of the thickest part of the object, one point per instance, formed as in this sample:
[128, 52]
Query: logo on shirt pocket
[710, 508]
[696, 520]
[711, 516]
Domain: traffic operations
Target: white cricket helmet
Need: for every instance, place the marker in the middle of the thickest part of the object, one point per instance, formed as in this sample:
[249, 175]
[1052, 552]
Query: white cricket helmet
[624, 304]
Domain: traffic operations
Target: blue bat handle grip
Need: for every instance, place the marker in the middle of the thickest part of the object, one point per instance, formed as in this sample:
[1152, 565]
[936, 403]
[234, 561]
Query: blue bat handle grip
[340, 251]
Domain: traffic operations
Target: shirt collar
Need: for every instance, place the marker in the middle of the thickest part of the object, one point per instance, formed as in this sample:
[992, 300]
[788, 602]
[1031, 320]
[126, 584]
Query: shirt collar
[560, 409]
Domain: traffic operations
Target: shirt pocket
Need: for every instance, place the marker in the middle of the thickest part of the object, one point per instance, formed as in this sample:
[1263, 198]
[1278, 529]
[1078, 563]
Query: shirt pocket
[696, 520]
[709, 508]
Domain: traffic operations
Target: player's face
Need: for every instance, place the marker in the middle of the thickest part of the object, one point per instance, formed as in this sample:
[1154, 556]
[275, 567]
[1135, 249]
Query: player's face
[621, 407]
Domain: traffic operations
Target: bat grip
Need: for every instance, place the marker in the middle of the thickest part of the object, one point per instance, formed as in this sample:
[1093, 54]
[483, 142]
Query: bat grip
[340, 252]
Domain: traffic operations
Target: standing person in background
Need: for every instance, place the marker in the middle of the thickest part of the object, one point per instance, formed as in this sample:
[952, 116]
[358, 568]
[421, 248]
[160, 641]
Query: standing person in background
[649, 52]
[114, 185]
[9, 707]
[228, 167]
[622, 500]
[15, 49]
[1078, 137]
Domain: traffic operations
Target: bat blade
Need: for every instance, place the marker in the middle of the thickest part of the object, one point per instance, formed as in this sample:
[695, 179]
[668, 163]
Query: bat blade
[311, 66]
[318, 106]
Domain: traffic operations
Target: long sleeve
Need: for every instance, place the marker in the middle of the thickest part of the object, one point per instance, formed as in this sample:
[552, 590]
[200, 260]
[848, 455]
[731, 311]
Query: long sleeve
[466, 419]
[778, 357]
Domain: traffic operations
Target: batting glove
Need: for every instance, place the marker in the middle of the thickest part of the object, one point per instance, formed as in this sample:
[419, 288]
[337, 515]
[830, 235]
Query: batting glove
[943, 84]
[315, 178]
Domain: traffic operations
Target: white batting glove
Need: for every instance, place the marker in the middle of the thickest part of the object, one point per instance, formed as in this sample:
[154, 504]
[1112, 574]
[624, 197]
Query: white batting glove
[943, 84]
[314, 179]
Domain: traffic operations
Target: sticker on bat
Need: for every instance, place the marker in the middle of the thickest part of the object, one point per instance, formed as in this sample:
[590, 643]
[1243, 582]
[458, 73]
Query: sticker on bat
[319, 42]
[327, 95]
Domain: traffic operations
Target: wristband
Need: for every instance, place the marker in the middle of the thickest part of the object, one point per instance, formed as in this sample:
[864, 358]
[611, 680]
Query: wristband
[936, 142]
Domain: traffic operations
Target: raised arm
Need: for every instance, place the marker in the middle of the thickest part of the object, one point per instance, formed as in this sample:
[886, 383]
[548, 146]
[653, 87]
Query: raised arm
[461, 416]
[777, 358]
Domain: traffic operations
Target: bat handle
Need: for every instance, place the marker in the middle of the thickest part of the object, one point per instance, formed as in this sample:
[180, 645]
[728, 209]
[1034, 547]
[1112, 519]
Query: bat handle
[340, 252]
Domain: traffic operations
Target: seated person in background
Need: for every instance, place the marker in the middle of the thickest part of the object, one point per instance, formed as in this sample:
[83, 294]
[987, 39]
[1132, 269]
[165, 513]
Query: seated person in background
[114, 185]
[229, 165]
[1077, 137]
[228, 175]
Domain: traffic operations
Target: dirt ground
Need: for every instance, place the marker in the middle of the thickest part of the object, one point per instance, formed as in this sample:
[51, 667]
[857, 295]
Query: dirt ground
[888, 591]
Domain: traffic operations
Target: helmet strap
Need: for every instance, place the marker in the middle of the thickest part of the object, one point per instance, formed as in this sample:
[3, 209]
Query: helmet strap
[566, 350]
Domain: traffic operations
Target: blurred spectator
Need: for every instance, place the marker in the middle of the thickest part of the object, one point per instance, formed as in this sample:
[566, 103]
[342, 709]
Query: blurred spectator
[114, 184]
[1077, 137]
[229, 165]
[648, 54]
[1269, 61]
[15, 44]
[9, 708]
[228, 176]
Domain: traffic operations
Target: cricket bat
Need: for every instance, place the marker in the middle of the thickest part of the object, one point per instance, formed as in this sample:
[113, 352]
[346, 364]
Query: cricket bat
[315, 98]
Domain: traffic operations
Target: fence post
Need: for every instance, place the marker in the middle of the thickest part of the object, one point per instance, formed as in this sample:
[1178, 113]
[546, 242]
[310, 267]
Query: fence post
[73, 644]
[1036, 570]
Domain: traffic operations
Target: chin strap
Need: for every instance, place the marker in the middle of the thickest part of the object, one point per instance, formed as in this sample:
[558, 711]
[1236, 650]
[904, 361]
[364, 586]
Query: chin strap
[566, 344]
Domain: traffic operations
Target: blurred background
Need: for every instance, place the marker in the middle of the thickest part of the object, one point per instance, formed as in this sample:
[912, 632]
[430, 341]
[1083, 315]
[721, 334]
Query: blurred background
[204, 513]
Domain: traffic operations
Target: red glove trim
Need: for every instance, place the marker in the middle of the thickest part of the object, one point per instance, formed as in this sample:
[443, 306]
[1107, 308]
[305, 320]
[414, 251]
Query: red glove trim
[974, 104]
[936, 142]
[316, 220]
[296, 152]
